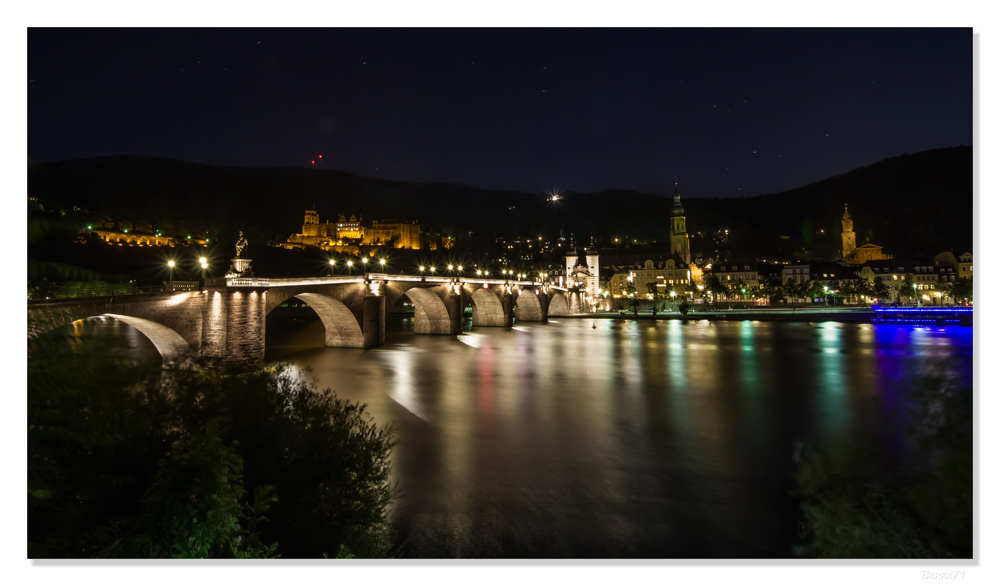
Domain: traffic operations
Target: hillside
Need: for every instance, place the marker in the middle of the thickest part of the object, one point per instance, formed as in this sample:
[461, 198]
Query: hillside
[915, 204]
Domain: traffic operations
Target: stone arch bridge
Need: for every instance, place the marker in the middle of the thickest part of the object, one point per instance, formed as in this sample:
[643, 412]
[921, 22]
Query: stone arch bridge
[223, 323]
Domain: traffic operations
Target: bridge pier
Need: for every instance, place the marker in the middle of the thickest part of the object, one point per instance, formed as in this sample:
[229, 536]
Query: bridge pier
[373, 320]
[543, 300]
[575, 303]
[245, 327]
[507, 301]
[455, 311]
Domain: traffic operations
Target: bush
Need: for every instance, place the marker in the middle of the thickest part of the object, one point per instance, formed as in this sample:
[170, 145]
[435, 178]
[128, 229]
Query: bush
[124, 462]
[855, 506]
[684, 307]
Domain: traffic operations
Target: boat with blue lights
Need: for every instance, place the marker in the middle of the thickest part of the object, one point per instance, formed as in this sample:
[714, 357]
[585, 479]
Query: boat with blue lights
[943, 316]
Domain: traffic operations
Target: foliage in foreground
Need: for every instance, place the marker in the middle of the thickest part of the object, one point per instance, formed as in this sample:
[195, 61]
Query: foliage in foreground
[856, 507]
[124, 462]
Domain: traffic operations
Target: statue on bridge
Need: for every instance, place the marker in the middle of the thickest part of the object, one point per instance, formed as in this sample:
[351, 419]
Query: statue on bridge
[241, 246]
[240, 266]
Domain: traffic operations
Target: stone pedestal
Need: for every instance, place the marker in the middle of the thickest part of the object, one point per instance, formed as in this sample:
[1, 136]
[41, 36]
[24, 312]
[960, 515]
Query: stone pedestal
[240, 267]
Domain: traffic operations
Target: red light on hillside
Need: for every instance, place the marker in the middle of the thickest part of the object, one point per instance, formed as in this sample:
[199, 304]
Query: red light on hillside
[314, 162]
[321, 156]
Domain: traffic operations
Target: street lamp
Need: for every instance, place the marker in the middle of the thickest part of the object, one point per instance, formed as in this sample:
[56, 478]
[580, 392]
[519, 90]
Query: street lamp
[381, 262]
[825, 298]
[204, 266]
[915, 294]
[170, 265]
[332, 262]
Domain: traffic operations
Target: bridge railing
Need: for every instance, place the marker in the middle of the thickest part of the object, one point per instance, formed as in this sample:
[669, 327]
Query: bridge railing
[248, 282]
[85, 291]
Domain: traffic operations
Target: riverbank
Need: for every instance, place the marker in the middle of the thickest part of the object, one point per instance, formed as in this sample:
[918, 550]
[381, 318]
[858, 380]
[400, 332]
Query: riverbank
[841, 314]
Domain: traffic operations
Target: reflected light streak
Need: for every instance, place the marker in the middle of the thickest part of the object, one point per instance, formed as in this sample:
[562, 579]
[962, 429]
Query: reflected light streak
[401, 385]
[175, 299]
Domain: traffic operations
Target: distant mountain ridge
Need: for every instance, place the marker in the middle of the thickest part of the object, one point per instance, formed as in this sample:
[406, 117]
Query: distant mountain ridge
[915, 204]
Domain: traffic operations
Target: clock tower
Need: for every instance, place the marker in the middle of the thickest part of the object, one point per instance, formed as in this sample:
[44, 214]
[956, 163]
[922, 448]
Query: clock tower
[678, 230]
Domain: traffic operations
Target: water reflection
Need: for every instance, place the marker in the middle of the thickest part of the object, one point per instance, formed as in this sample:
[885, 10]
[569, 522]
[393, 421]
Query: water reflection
[631, 439]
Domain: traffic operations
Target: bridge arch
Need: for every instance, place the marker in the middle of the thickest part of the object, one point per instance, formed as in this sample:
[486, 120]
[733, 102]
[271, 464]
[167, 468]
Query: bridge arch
[527, 306]
[558, 304]
[487, 309]
[342, 327]
[430, 314]
[174, 349]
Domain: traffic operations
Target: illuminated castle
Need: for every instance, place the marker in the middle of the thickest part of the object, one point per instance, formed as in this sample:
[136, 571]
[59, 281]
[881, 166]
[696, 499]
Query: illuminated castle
[348, 233]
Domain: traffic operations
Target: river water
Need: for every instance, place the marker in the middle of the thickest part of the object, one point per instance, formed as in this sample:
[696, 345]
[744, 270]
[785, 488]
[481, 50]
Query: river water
[602, 439]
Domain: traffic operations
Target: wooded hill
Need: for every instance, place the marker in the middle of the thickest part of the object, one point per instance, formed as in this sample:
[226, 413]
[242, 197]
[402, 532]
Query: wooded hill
[913, 205]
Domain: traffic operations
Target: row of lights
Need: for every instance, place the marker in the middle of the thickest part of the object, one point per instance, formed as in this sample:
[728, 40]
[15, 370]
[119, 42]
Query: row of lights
[202, 261]
[350, 264]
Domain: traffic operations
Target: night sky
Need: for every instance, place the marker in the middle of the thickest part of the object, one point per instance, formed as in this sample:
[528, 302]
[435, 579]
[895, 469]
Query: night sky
[727, 112]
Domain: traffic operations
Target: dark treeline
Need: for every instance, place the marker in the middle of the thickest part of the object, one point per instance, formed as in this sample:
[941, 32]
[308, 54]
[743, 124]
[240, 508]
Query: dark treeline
[913, 205]
[126, 461]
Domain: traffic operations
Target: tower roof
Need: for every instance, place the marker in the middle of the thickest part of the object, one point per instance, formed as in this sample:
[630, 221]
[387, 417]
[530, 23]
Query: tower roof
[678, 208]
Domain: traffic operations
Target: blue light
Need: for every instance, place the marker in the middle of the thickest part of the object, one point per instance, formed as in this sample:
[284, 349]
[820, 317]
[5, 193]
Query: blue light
[880, 309]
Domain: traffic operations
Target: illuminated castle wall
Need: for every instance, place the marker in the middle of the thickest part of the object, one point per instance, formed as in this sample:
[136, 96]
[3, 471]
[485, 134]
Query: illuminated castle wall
[350, 232]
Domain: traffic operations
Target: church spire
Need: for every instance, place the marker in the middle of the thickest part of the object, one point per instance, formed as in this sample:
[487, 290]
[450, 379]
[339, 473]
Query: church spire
[678, 229]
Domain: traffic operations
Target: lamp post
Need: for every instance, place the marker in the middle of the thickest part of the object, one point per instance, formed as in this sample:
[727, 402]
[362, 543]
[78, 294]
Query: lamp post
[170, 265]
[350, 265]
[915, 294]
[204, 267]
[332, 262]
[381, 263]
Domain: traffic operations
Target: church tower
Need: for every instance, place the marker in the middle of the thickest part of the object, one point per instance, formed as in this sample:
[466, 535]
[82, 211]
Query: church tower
[678, 230]
[847, 237]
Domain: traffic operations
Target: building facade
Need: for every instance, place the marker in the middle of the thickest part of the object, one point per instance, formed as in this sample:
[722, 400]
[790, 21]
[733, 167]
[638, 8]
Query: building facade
[395, 234]
[650, 281]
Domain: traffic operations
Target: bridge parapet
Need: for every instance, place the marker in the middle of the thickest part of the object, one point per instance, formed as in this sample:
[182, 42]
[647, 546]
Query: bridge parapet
[247, 282]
